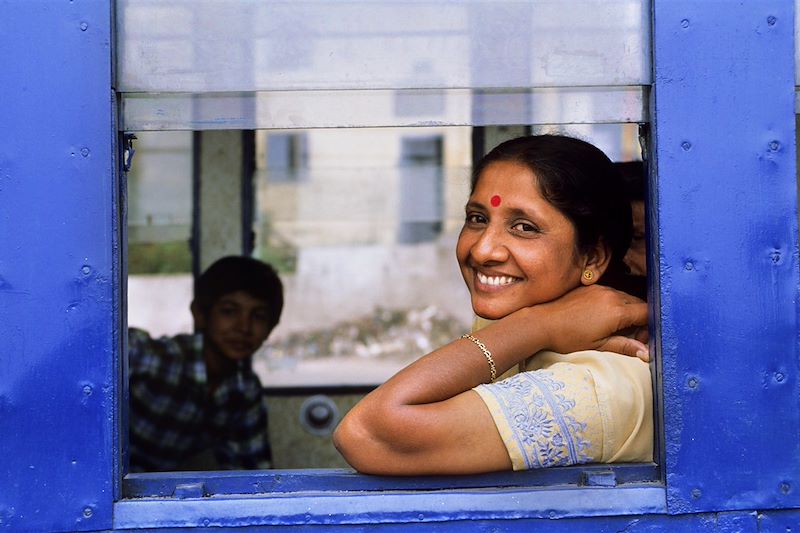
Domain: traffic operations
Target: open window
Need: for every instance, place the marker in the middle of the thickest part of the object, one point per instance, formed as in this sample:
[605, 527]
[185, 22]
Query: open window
[361, 225]
[355, 192]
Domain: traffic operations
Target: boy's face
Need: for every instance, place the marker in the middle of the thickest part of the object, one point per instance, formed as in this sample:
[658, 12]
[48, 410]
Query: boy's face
[236, 325]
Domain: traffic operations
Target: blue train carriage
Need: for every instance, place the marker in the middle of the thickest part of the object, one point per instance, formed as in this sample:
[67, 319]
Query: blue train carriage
[712, 85]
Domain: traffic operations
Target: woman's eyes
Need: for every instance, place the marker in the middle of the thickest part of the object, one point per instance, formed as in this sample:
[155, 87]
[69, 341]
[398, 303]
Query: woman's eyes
[475, 218]
[519, 227]
[525, 227]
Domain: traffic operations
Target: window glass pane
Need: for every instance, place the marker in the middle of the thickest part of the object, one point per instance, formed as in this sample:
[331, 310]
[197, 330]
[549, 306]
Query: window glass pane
[202, 46]
[159, 229]
[361, 224]
[239, 64]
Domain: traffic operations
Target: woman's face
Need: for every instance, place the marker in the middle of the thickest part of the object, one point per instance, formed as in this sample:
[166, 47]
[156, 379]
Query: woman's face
[515, 249]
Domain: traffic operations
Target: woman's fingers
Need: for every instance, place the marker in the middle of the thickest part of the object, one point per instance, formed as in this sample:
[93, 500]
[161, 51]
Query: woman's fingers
[626, 346]
[586, 317]
[641, 334]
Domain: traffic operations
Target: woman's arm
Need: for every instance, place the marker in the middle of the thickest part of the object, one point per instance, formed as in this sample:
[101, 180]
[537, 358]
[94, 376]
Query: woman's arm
[427, 420]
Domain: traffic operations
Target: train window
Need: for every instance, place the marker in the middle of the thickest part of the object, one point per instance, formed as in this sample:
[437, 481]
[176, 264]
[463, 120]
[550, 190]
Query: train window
[356, 147]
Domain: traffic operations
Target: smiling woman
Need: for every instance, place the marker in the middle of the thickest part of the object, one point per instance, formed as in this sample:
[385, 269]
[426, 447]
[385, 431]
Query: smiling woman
[546, 223]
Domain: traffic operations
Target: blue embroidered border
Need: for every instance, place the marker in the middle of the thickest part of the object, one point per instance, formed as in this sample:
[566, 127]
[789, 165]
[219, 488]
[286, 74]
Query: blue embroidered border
[545, 438]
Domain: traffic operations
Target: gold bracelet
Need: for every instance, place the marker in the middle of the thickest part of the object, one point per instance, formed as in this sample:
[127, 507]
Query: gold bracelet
[486, 353]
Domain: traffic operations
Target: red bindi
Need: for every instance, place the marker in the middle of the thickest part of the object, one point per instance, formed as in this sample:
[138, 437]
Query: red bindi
[495, 200]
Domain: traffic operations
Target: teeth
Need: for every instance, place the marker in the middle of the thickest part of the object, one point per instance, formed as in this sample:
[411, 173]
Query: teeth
[495, 280]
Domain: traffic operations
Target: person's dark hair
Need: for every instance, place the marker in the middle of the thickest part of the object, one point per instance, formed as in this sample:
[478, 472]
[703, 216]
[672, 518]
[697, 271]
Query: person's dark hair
[235, 273]
[633, 179]
[581, 182]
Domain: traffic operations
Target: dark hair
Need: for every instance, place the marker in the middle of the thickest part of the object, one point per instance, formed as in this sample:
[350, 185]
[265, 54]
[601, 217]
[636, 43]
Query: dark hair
[580, 181]
[633, 178]
[235, 273]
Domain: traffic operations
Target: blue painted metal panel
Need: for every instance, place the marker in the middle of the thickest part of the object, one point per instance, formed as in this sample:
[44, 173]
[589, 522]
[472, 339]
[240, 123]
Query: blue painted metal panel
[779, 521]
[165, 484]
[58, 309]
[332, 508]
[727, 210]
[616, 524]
[737, 522]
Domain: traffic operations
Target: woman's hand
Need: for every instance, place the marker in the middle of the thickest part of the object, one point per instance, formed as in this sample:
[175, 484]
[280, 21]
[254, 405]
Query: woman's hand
[595, 318]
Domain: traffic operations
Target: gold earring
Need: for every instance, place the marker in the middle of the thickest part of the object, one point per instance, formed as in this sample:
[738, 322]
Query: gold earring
[588, 275]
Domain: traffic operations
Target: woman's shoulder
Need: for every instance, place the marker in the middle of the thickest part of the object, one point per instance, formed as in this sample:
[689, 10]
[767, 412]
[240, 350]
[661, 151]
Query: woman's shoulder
[622, 383]
[605, 362]
[624, 392]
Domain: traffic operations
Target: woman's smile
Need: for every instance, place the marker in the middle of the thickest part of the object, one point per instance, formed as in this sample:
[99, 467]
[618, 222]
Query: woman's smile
[519, 252]
[493, 283]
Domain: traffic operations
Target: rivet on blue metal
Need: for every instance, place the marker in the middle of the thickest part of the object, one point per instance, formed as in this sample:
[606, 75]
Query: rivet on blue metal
[685, 23]
[686, 145]
[771, 20]
[128, 151]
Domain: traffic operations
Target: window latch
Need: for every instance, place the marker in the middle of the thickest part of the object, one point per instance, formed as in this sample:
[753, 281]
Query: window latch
[127, 150]
[598, 478]
[190, 490]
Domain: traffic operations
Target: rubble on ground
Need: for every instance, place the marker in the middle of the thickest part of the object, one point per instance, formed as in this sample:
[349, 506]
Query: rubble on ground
[396, 334]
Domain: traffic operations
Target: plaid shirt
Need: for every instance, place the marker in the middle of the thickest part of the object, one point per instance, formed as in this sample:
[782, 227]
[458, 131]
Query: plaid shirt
[173, 416]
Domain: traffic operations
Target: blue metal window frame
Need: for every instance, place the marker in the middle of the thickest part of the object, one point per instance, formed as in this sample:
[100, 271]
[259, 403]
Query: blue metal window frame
[59, 267]
[729, 356]
[726, 211]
